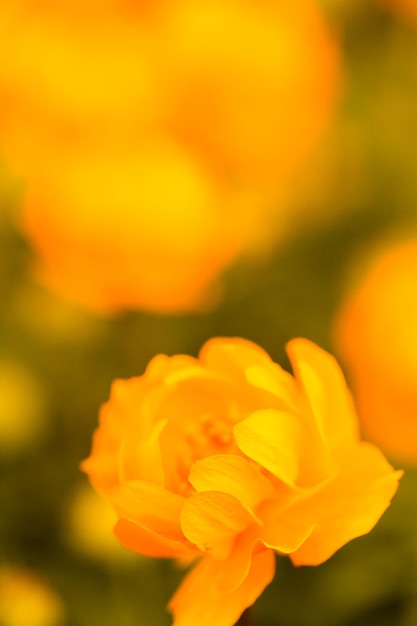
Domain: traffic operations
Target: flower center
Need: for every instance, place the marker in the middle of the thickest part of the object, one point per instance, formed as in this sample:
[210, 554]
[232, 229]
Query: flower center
[210, 434]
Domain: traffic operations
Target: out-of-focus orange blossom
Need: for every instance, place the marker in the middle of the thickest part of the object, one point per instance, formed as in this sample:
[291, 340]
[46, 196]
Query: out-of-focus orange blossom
[155, 244]
[407, 8]
[376, 334]
[246, 69]
[156, 137]
[226, 459]
[26, 600]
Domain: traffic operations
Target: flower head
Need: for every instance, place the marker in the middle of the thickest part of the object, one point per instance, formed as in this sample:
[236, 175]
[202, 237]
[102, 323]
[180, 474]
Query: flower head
[228, 459]
[376, 334]
[156, 136]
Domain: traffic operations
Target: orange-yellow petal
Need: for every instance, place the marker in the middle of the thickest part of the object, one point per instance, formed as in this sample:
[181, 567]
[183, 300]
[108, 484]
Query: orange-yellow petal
[273, 379]
[149, 543]
[231, 356]
[259, 382]
[234, 475]
[149, 505]
[115, 456]
[325, 388]
[250, 543]
[211, 520]
[284, 530]
[347, 506]
[201, 598]
[274, 440]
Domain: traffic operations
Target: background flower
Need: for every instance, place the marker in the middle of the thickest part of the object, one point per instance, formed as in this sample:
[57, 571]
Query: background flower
[27, 600]
[376, 331]
[228, 457]
[157, 142]
[406, 7]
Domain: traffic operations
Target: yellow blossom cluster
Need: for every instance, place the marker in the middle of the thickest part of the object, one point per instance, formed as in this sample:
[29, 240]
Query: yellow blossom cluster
[156, 138]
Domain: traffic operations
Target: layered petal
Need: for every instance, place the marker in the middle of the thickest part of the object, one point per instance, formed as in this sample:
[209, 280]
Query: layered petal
[282, 443]
[274, 380]
[149, 505]
[201, 599]
[283, 529]
[211, 520]
[144, 541]
[231, 356]
[348, 506]
[126, 445]
[244, 361]
[274, 440]
[233, 475]
[261, 382]
[323, 384]
[201, 411]
[149, 520]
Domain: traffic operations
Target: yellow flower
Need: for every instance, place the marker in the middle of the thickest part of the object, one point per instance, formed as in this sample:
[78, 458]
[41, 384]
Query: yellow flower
[23, 410]
[227, 459]
[148, 229]
[157, 139]
[376, 333]
[26, 600]
[240, 74]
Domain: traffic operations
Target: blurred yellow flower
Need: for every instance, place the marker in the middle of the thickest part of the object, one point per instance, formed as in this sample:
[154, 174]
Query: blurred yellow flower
[145, 229]
[22, 408]
[240, 74]
[26, 600]
[156, 138]
[227, 459]
[376, 334]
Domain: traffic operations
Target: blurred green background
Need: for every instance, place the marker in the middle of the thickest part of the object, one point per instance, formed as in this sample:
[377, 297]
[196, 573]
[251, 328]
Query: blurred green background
[57, 363]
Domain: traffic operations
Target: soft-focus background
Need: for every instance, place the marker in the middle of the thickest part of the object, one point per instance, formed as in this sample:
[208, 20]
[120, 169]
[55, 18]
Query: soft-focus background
[59, 565]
